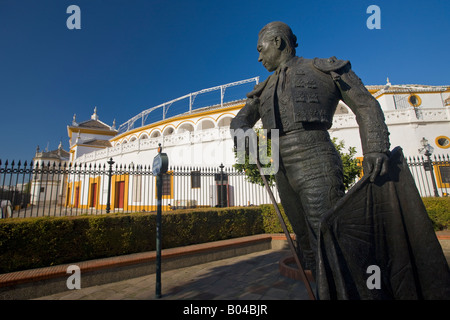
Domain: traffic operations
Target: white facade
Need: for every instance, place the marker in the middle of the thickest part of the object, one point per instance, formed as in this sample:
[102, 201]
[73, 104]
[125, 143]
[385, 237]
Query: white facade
[407, 124]
[47, 187]
[201, 139]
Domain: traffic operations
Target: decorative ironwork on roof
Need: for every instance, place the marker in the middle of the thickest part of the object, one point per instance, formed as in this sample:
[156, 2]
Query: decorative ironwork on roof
[131, 124]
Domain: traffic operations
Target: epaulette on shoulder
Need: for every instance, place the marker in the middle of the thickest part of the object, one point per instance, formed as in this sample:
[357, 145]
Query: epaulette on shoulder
[330, 64]
[257, 90]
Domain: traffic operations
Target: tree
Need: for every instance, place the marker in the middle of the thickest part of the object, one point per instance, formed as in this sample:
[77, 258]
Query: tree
[352, 166]
[251, 170]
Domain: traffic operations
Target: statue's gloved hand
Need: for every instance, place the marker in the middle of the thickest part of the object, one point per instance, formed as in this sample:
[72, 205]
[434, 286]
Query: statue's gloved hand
[375, 164]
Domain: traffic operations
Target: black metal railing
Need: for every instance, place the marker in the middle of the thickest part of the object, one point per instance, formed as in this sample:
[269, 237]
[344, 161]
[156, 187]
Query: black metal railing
[61, 189]
[431, 174]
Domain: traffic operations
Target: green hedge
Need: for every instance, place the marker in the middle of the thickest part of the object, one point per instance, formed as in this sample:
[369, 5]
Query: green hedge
[439, 212]
[38, 242]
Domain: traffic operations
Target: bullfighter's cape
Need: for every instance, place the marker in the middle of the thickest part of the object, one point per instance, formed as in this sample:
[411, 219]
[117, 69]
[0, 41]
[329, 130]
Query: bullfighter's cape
[385, 224]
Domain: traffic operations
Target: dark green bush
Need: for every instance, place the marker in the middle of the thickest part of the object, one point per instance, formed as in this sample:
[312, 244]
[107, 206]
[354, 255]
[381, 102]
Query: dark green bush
[39, 242]
[271, 221]
[439, 212]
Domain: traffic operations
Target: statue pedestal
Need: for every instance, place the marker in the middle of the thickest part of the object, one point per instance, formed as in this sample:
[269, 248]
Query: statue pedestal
[288, 268]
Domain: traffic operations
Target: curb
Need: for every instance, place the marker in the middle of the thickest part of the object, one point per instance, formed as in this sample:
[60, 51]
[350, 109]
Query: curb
[38, 282]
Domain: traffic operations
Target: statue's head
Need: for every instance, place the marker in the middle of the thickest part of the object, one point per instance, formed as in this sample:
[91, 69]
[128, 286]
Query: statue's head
[276, 44]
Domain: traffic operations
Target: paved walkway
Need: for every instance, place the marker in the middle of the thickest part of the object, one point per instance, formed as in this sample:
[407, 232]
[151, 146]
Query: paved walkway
[251, 277]
[254, 276]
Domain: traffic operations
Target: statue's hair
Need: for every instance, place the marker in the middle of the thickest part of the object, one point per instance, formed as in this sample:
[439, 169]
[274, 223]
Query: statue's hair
[282, 30]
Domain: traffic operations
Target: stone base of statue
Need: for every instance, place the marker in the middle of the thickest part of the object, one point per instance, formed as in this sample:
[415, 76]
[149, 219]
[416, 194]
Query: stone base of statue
[378, 243]
[288, 268]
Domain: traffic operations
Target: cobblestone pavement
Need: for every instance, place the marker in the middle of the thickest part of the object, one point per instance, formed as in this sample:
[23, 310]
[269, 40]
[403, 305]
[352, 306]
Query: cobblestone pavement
[254, 276]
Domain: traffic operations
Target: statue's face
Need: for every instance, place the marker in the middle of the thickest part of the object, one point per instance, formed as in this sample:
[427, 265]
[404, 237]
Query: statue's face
[269, 53]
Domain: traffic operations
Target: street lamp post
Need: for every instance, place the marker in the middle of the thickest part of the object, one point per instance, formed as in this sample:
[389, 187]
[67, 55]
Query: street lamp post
[427, 149]
[159, 167]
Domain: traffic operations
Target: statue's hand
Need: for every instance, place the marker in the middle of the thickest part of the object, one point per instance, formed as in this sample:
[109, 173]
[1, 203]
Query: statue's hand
[375, 164]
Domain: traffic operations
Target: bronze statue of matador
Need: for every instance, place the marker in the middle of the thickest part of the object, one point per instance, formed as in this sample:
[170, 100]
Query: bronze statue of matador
[381, 223]
[299, 99]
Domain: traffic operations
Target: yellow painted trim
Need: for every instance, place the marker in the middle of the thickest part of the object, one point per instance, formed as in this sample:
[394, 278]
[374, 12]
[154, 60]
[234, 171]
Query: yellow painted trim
[89, 131]
[225, 114]
[179, 118]
[205, 117]
[88, 145]
[69, 188]
[439, 146]
[437, 172]
[184, 122]
[418, 98]
[91, 182]
[76, 184]
[168, 125]
[142, 133]
[154, 129]
[119, 178]
[411, 93]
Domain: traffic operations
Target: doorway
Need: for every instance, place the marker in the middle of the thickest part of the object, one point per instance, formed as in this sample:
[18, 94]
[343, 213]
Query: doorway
[120, 193]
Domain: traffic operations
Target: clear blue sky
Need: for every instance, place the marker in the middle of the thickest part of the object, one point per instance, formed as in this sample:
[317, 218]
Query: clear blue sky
[132, 55]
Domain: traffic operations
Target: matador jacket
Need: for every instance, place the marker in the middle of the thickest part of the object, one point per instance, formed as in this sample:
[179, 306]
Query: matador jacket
[312, 89]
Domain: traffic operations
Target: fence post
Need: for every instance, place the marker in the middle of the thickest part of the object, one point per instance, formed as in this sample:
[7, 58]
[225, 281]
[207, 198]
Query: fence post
[108, 200]
[221, 185]
[430, 167]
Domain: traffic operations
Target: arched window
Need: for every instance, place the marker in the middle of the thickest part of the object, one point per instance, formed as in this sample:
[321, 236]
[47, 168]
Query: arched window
[155, 134]
[225, 122]
[206, 124]
[186, 127]
[168, 131]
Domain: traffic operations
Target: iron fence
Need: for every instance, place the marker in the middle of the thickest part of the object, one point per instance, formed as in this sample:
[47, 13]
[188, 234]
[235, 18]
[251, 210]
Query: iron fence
[61, 189]
[431, 174]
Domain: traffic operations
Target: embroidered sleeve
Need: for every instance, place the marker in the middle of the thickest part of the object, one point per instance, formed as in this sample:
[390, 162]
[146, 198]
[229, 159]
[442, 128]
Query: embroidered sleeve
[369, 115]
